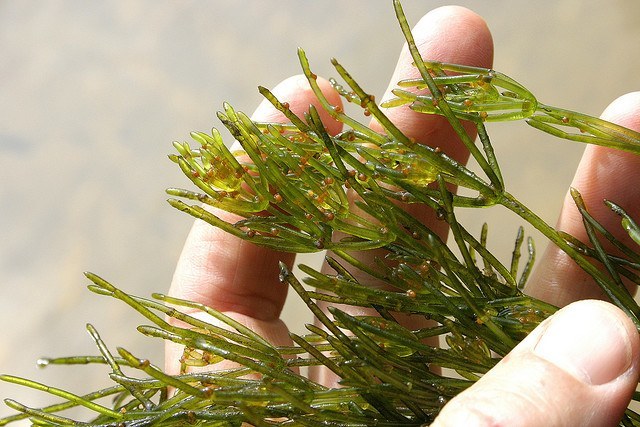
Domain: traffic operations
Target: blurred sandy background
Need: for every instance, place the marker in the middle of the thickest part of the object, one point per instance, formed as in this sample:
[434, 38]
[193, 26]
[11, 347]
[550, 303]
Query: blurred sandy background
[93, 93]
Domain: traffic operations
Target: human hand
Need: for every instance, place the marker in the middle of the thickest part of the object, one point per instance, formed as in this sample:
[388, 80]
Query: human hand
[546, 380]
[579, 367]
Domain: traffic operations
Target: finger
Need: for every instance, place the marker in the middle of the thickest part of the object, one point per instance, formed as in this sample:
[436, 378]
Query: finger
[602, 173]
[447, 34]
[230, 274]
[580, 367]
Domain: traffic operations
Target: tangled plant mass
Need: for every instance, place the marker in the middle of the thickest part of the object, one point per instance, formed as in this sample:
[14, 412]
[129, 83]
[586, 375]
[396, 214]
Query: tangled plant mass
[299, 189]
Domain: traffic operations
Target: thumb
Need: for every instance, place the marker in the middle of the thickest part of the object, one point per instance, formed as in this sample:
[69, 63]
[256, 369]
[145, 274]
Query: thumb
[579, 367]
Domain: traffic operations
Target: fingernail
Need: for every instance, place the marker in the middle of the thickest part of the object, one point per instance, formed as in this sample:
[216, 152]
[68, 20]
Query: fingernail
[588, 340]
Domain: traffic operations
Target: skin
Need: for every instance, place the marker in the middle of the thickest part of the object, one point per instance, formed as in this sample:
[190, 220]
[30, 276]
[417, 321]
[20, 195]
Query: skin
[580, 367]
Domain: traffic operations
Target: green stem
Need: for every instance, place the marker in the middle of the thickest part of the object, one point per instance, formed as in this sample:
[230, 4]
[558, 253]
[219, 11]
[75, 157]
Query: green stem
[63, 394]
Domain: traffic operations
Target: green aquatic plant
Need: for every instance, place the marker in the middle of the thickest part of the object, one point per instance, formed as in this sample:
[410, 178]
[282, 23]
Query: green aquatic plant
[290, 184]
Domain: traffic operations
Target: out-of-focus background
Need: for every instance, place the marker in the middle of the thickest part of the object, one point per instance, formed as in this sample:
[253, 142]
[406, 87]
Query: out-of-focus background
[93, 94]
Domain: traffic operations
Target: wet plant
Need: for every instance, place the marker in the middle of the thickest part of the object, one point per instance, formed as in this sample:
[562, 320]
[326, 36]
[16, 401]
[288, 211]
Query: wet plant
[297, 188]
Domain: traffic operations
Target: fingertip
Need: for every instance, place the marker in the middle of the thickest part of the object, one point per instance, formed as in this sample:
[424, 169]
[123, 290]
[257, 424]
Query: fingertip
[296, 91]
[592, 340]
[455, 34]
[452, 34]
[625, 111]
